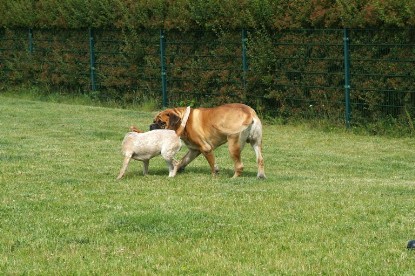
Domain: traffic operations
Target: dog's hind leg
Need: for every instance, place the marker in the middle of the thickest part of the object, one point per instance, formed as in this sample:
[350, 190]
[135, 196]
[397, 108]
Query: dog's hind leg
[256, 145]
[255, 139]
[145, 166]
[124, 167]
[260, 161]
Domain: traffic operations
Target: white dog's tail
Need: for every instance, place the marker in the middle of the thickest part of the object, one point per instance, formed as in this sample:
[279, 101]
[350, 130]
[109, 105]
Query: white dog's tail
[182, 126]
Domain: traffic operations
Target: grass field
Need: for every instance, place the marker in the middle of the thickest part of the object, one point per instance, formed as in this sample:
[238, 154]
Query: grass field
[333, 202]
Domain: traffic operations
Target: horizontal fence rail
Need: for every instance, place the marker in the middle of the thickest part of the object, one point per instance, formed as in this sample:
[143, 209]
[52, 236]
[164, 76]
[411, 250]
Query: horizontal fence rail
[351, 76]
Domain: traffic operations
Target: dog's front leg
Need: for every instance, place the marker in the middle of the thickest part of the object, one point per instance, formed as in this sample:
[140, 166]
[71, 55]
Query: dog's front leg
[189, 157]
[210, 157]
[235, 146]
[172, 167]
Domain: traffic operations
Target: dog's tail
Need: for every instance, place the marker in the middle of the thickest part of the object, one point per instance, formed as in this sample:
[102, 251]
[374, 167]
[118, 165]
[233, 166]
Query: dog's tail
[135, 129]
[182, 126]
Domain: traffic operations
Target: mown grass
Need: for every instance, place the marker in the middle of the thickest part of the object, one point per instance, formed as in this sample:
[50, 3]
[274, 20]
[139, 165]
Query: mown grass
[333, 202]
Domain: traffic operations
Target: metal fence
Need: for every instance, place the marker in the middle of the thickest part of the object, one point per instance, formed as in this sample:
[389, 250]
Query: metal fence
[354, 76]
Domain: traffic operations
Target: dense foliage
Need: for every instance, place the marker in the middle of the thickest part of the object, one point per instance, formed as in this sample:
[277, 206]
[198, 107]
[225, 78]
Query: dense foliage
[210, 14]
[291, 65]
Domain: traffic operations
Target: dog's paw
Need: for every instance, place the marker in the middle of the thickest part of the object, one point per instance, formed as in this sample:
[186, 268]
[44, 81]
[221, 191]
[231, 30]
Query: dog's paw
[261, 176]
[216, 168]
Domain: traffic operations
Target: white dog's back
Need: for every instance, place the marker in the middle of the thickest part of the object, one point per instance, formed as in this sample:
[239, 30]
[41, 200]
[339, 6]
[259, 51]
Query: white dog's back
[144, 146]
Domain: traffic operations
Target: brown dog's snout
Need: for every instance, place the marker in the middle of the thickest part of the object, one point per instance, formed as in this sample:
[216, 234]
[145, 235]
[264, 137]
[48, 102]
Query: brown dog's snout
[154, 126]
[158, 124]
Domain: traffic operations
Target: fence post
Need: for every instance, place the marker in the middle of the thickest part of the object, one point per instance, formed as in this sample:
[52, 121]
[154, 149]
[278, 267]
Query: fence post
[163, 67]
[346, 44]
[244, 61]
[92, 58]
[30, 41]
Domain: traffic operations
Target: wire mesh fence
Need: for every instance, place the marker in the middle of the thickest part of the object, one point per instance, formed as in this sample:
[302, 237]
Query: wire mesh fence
[204, 68]
[303, 74]
[383, 74]
[351, 76]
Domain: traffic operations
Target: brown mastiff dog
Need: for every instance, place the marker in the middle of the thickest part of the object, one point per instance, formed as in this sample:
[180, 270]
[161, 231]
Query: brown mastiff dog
[208, 128]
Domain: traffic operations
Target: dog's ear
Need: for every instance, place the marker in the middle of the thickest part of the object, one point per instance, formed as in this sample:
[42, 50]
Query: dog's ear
[174, 121]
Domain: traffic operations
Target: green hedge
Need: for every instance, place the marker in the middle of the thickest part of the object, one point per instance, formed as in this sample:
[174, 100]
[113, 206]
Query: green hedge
[288, 74]
[294, 53]
[209, 14]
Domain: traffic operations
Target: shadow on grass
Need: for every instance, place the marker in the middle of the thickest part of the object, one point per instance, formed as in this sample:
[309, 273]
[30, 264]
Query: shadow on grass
[196, 171]
[195, 224]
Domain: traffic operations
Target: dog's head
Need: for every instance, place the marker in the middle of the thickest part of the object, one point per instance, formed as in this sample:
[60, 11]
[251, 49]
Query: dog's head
[168, 119]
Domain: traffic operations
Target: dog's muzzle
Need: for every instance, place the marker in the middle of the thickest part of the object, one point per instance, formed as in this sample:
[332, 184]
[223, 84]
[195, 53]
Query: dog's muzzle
[155, 126]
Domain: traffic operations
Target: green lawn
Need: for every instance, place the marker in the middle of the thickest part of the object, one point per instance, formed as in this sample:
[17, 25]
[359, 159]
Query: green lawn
[333, 202]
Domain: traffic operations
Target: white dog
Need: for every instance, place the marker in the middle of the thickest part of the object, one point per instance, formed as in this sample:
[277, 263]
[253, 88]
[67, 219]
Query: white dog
[144, 146]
